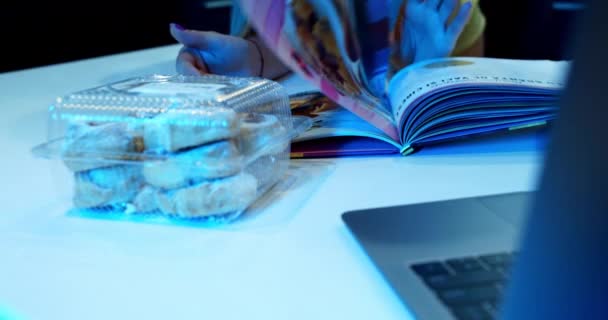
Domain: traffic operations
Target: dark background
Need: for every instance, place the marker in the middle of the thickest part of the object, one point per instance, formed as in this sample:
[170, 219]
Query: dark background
[37, 33]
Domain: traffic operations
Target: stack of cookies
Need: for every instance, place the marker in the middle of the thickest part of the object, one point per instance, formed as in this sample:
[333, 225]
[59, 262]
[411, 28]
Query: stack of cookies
[186, 164]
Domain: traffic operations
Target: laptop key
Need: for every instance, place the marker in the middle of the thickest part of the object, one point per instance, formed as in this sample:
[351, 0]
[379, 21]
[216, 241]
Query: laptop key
[472, 289]
[429, 269]
[471, 313]
[467, 296]
[464, 265]
[475, 278]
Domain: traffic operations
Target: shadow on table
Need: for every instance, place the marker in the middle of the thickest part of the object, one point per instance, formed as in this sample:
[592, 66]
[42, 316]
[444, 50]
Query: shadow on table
[271, 211]
[505, 146]
[283, 201]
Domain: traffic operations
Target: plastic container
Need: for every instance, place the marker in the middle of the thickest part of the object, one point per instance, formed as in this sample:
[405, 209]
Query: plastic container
[203, 147]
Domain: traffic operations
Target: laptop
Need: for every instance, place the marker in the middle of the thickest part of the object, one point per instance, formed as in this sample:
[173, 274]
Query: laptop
[526, 255]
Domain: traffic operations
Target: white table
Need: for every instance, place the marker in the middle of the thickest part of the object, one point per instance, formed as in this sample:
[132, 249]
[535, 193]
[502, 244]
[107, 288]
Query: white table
[290, 258]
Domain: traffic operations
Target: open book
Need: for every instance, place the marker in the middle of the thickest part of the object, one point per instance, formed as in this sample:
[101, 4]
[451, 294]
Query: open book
[345, 49]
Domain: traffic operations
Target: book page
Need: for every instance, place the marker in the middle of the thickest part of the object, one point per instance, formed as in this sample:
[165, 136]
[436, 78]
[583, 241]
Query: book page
[421, 79]
[331, 120]
[294, 84]
[372, 32]
[315, 39]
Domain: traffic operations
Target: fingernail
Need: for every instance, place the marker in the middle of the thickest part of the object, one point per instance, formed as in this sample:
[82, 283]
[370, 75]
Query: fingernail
[178, 26]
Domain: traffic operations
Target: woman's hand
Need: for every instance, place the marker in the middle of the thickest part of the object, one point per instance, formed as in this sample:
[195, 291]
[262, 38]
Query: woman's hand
[428, 29]
[211, 52]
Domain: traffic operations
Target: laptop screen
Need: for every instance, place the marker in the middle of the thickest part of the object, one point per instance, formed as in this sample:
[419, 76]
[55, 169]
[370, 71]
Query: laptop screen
[562, 266]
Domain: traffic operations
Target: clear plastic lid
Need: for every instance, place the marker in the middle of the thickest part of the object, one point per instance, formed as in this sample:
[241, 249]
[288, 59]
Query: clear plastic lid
[152, 117]
[179, 146]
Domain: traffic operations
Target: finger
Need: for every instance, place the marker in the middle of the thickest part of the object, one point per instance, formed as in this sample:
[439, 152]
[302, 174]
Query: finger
[395, 9]
[446, 9]
[190, 38]
[414, 3]
[186, 68]
[188, 63]
[460, 21]
[433, 4]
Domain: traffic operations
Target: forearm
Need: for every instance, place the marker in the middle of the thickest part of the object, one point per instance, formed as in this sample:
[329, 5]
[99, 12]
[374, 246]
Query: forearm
[270, 65]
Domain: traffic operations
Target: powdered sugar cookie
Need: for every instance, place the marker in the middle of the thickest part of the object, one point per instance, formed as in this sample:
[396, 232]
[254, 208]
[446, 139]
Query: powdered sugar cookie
[171, 132]
[216, 160]
[106, 186]
[207, 198]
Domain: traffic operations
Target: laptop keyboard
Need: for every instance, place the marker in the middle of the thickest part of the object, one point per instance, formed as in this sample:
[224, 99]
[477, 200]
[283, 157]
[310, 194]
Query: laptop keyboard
[471, 287]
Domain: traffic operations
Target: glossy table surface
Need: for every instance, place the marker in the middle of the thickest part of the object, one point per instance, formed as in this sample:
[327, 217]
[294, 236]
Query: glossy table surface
[290, 257]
